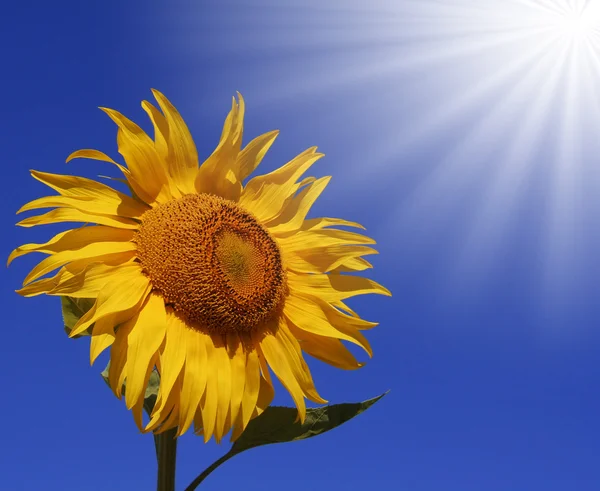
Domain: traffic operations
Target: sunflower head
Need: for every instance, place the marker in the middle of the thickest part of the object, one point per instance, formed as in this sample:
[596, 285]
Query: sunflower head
[213, 283]
[213, 262]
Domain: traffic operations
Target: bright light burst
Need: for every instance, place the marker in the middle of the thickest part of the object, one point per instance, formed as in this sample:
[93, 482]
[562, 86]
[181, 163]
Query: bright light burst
[494, 106]
[577, 21]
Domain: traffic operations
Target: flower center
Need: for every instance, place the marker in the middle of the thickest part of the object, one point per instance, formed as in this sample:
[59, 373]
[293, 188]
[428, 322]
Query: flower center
[212, 262]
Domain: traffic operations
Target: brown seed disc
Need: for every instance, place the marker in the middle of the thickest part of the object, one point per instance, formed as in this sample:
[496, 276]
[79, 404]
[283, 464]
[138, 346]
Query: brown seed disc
[212, 262]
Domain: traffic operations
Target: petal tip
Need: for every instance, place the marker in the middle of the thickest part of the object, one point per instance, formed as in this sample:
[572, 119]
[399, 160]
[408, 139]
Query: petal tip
[11, 257]
[159, 96]
[108, 111]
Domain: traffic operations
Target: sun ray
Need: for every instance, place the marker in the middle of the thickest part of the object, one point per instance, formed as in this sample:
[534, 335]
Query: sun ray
[507, 185]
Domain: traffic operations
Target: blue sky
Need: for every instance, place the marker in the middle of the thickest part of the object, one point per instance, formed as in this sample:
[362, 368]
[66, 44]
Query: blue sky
[462, 134]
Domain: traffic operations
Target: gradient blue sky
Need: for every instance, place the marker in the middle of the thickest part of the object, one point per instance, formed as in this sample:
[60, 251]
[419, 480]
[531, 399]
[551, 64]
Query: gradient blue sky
[462, 134]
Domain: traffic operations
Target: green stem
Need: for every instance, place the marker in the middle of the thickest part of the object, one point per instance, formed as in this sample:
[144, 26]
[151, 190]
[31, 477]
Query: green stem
[166, 454]
[156, 440]
[196, 482]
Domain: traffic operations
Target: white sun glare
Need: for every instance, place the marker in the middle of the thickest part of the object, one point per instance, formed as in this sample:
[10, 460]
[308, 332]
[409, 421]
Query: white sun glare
[577, 23]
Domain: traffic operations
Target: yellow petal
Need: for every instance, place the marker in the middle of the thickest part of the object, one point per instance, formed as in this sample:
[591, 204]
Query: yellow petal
[73, 215]
[172, 356]
[66, 273]
[333, 287]
[89, 282]
[321, 223]
[183, 157]
[149, 175]
[92, 253]
[349, 326]
[93, 155]
[251, 390]
[318, 317]
[93, 206]
[122, 293]
[138, 408]
[198, 428]
[289, 345]
[161, 130]
[266, 392]
[275, 355]
[171, 418]
[329, 350]
[41, 286]
[323, 259]
[165, 413]
[161, 143]
[103, 336]
[218, 174]
[265, 195]
[118, 358]
[194, 377]
[74, 239]
[88, 189]
[96, 155]
[238, 373]
[143, 343]
[210, 399]
[252, 154]
[322, 238]
[294, 213]
[323, 250]
[223, 367]
[351, 265]
[344, 308]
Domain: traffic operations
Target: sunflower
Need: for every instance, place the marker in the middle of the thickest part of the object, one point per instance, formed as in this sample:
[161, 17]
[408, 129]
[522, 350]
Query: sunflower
[212, 283]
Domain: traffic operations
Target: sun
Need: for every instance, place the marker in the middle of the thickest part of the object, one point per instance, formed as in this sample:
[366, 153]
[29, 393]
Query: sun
[575, 25]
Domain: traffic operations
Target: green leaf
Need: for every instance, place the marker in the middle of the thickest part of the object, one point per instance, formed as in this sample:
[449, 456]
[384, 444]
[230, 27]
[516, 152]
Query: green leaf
[151, 388]
[278, 424]
[73, 309]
